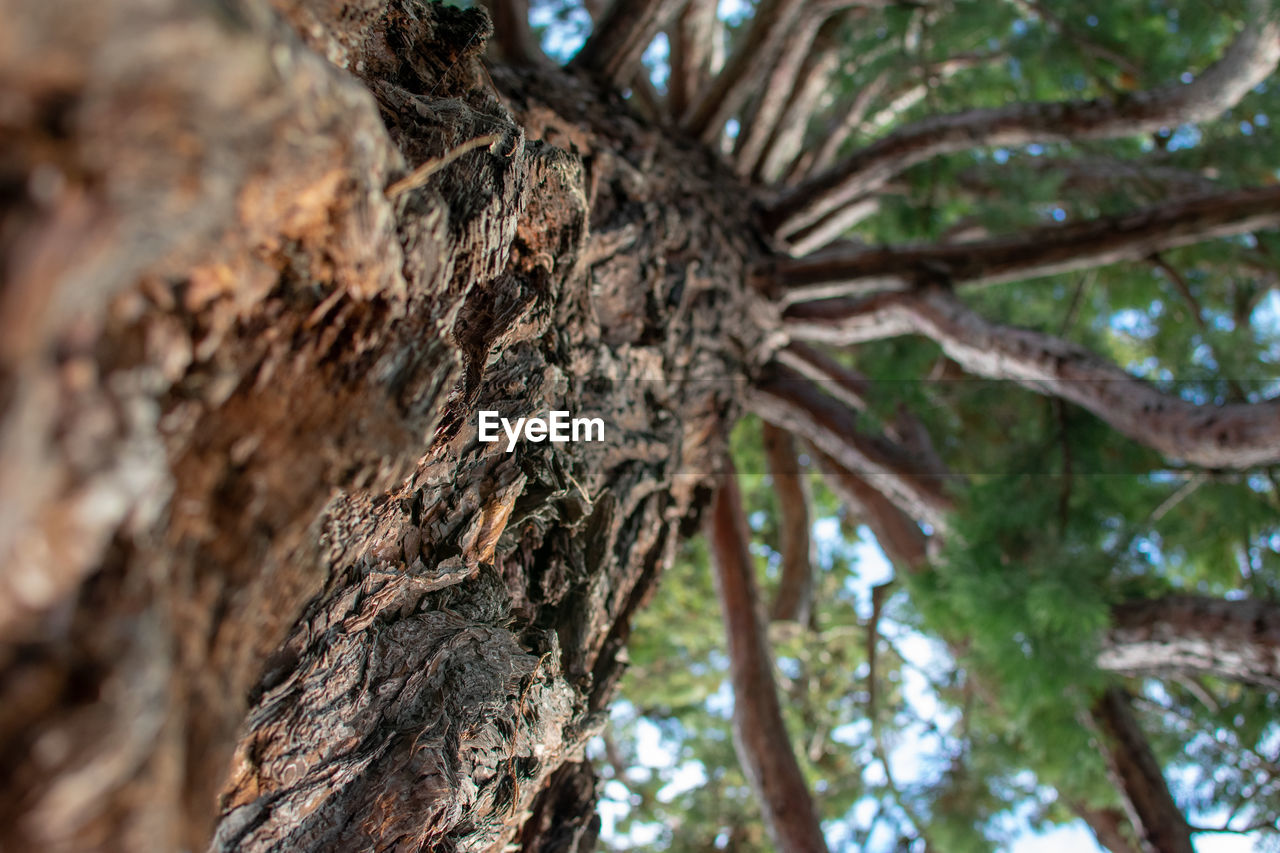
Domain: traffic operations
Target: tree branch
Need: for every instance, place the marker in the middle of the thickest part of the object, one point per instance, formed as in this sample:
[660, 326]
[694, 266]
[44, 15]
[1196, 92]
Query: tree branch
[843, 128]
[1236, 435]
[776, 87]
[811, 83]
[903, 541]
[745, 70]
[763, 745]
[1135, 772]
[794, 599]
[1250, 59]
[614, 48]
[1110, 826]
[1035, 252]
[513, 38]
[692, 47]
[1235, 640]
[788, 400]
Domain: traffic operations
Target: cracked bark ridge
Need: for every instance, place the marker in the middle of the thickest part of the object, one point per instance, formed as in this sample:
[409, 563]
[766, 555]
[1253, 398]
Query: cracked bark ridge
[263, 584]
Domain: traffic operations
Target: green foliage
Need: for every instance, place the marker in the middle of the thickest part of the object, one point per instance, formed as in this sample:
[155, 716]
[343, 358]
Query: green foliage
[1060, 517]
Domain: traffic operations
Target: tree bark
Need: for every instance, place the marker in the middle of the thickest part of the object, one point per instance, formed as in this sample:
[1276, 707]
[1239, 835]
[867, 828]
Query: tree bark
[1232, 640]
[1034, 252]
[619, 40]
[1110, 827]
[1235, 435]
[786, 399]
[794, 599]
[760, 735]
[264, 588]
[692, 51]
[1160, 825]
[1250, 59]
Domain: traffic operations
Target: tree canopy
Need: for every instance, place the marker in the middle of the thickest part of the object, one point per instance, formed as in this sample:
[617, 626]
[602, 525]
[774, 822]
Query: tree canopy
[972, 137]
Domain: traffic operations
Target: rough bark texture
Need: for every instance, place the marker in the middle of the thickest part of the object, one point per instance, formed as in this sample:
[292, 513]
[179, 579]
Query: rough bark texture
[1234, 640]
[262, 584]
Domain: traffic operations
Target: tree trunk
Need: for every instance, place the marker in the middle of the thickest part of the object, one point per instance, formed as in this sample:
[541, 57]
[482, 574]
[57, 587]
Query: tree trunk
[263, 585]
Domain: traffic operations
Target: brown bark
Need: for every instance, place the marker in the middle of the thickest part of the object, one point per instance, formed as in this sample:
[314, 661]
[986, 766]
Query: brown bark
[1160, 825]
[692, 41]
[745, 70]
[1035, 252]
[760, 121]
[786, 399]
[1251, 58]
[811, 82]
[902, 540]
[794, 599]
[513, 40]
[760, 735]
[1235, 435]
[262, 583]
[619, 40]
[1232, 640]
[1110, 827]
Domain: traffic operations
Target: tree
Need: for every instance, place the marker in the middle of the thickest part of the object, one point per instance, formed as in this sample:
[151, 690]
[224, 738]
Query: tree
[264, 586]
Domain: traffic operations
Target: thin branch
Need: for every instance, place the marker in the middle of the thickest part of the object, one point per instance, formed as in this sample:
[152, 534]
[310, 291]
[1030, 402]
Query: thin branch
[1250, 59]
[423, 172]
[1035, 252]
[844, 127]
[878, 595]
[763, 745]
[1236, 435]
[794, 599]
[788, 400]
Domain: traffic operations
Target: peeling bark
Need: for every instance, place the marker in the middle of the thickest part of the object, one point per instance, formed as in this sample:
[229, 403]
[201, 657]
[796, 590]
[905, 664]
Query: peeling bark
[764, 748]
[1232, 640]
[1250, 59]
